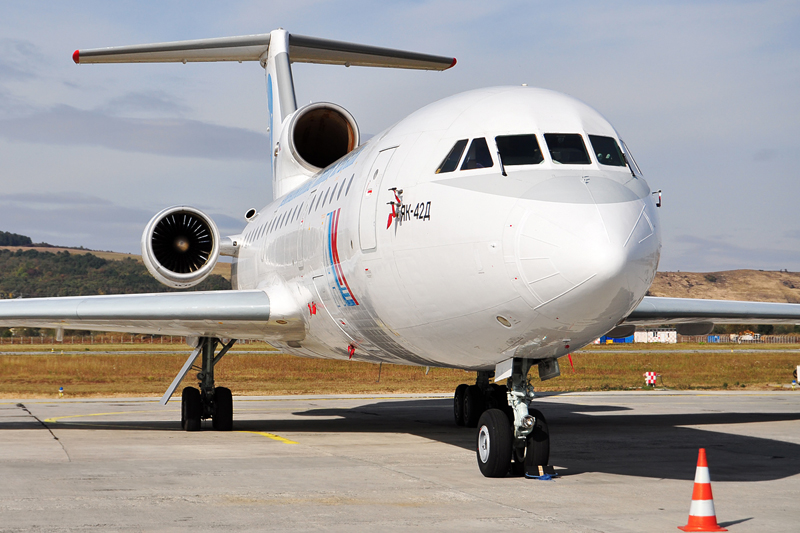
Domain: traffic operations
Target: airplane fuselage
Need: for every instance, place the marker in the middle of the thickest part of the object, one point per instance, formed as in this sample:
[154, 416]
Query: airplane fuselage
[488, 257]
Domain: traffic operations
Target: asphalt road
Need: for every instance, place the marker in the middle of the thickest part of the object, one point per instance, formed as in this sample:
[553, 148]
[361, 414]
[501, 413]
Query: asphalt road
[353, 463]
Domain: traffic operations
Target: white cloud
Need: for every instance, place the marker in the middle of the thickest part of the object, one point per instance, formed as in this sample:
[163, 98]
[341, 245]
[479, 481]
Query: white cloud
[66, 125]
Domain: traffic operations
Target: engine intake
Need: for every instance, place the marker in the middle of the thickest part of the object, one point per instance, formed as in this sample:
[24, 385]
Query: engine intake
[180, 246]
[322, 133]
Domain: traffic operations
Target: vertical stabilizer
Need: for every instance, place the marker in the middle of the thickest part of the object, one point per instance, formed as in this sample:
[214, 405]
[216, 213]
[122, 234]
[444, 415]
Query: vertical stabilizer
[280, 97]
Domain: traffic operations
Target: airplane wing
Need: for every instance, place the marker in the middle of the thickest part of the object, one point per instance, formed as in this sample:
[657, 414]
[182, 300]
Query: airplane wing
[224, 314]
[302, 49]
[657, 310]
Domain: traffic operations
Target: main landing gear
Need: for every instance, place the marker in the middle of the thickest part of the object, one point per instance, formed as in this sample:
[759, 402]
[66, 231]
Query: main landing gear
[512, 438]
[208, 401]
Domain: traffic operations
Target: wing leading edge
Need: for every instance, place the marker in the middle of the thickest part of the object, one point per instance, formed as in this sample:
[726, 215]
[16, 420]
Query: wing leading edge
[229, 314]
[658, 310]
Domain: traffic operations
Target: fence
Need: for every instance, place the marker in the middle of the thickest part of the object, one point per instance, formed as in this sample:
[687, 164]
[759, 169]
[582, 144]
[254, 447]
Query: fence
[105, 339]
[741, 339]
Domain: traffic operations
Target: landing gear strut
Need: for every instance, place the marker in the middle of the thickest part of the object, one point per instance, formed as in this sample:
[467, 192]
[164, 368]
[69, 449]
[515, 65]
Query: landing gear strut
[511, 437]
[209, 401]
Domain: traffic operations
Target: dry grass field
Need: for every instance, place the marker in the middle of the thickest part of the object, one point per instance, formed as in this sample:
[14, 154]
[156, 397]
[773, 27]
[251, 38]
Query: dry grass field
[147, 370]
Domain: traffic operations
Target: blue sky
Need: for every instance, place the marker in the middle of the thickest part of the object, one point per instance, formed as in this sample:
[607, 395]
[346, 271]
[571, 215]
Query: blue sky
[706, 95]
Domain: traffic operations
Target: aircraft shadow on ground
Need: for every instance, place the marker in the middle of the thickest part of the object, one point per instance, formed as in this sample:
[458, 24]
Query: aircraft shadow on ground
[603, 439]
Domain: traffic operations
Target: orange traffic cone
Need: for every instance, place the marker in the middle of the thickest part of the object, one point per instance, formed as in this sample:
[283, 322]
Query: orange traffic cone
[702, 516]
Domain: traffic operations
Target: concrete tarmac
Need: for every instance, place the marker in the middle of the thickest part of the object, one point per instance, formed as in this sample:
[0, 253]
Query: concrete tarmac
[373, 463]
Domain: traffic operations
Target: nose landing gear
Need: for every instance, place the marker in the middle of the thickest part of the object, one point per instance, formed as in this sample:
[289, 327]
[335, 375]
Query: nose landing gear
[511, 436]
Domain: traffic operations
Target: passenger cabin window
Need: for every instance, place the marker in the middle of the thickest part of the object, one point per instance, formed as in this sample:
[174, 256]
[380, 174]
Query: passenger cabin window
[607, 151]
[450, 162]
[478, 155]
[519, 150]
[567, 148]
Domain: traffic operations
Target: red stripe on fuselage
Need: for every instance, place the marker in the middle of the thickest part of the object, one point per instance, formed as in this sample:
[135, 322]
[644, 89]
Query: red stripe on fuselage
[334, 247]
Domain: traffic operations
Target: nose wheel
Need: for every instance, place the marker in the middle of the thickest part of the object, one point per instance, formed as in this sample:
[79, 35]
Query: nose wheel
[511, 436]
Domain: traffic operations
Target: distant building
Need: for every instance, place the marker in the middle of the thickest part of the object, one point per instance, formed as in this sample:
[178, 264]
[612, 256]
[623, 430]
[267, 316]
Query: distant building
[663, 335]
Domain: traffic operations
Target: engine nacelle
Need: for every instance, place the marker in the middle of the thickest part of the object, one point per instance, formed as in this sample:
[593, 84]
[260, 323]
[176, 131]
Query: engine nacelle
[314, 137]
[321, 133]
[180, 246]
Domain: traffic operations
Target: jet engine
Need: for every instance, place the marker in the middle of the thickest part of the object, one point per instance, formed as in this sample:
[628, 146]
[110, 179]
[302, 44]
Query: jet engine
[321, 133]
[180, 246]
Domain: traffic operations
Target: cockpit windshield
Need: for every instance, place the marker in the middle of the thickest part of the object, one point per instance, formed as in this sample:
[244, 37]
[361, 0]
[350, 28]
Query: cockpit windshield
[607, 151]
[567, 148]
[478, 155]
[450, 162]
[519, 149]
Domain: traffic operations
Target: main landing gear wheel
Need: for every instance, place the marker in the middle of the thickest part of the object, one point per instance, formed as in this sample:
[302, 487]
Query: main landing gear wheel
[473, 406]
[222, 419]
[458, 403]
[209, 401]
[495, 436]
[191, 409]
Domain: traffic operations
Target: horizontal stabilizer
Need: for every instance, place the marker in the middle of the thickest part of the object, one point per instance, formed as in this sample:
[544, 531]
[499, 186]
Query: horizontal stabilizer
[302, 49]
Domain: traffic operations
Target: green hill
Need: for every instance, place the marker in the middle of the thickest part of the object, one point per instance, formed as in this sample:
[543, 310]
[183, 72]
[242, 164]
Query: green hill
[34, 274]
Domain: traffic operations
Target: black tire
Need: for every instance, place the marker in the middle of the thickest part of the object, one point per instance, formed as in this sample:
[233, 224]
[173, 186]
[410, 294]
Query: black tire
[223, 409]
[499, 395]
[538, 451]
[494, 443]
[474, 406]
[518, 460]
[458, 403]
[191, 409]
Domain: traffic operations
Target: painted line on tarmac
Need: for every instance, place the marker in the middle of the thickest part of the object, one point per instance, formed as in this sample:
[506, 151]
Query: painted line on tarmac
[55, 419]
[271, 436]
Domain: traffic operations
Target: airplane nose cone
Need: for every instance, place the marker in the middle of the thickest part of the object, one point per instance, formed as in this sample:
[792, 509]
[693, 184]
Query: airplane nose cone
[589, 241]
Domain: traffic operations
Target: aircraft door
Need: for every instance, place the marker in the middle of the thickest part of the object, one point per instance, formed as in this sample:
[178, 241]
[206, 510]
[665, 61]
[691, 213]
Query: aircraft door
[367, 219]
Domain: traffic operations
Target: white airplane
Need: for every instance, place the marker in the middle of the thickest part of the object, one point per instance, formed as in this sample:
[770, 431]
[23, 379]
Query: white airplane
[492, 231]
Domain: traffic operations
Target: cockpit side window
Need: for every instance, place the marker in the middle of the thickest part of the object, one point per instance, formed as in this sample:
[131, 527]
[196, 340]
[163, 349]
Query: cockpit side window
[567, 148]
[632, 164]
[607, 151]
[450, 162]
[478, 155]
[519, 149]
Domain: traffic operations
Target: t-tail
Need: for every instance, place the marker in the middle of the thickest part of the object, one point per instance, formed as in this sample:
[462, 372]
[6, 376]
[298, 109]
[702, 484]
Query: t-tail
[302, 141]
